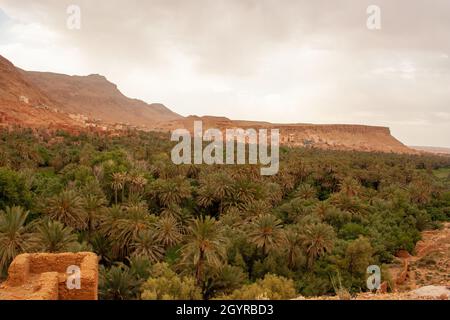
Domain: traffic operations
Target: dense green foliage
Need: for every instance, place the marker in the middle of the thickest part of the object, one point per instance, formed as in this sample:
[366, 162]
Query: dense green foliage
[187, 232]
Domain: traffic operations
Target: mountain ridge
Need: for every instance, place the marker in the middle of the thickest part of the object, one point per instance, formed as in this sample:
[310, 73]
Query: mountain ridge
[79, 94]
[435, 150]
[34, 98]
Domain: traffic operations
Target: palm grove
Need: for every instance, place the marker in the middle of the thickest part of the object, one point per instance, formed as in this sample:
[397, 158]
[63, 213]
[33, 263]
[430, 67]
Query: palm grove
[213, 232]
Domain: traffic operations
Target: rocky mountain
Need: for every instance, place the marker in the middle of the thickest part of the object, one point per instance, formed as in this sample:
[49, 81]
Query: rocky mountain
[42, 98]
[436, 150]
[56, 100]
[95, 97]
[22, 103]
[335, 137]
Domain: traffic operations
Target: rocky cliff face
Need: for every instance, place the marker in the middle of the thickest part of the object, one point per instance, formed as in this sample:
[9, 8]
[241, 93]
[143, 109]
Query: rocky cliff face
[15, 88]
[62, 101]
[95, 97]
[334, 137]
[343, 137]
[22, 103]
[49, 99]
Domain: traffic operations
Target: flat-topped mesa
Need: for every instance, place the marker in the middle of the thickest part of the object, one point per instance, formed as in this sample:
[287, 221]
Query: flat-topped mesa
[343, 137]
[356, 128]
[326, 136]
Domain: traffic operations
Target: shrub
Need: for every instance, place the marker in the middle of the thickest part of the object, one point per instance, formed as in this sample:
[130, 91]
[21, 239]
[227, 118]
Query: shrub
[164, 284]
[272, 287]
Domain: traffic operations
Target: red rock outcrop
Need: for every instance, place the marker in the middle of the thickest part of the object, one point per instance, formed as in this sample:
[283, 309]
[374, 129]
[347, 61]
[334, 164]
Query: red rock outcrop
[97, 98]
[39, 99]
[21, 103]
[332, 137]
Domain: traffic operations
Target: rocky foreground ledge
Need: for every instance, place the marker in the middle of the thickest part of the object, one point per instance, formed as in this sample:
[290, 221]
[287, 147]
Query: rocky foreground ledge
[423, 293]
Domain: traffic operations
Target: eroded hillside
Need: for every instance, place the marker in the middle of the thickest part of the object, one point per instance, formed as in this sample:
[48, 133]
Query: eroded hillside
[334, 137]
[40, 99]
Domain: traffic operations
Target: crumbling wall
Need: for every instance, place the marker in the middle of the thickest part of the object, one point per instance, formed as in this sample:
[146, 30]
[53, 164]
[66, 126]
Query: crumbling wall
[43, 276]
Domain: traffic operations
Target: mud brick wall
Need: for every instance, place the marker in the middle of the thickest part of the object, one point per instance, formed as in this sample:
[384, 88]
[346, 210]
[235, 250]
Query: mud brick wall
[49, 273]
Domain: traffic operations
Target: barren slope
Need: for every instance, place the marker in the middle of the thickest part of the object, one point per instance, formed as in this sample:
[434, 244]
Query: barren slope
[336, 137]
[94, 96]
[49, 99]
[22, 103]
[431, 263]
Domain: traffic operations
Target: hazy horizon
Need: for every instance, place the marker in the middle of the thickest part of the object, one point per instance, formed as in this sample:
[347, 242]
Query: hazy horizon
[277, 61]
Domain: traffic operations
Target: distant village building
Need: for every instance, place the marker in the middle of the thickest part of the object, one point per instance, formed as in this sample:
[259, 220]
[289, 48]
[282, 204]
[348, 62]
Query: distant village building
[24, 99]
[79, 117]
[291, 137]
[42, 106]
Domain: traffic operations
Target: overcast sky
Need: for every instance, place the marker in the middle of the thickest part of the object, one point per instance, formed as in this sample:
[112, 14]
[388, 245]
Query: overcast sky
[274, 60]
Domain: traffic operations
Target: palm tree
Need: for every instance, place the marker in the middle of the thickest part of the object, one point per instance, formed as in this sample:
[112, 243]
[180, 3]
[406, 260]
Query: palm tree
[109, 218]
[274, 192]
[351, 204]
[206, 196]
[215, 188]
[102, 247]
[14, 238]
[322, 208]
[306, 191]
[53, 236]
[140, 182]
[169, 231]
[221, 184]
[192, 171]
[317, 239]
[140, 267]
[147, 245]
[286, 181]
[67, 207]
[172, 210]
[172, 191]
[205, 246]
[137, 183]
[349, 187]
[98, 172]
[292, 244]
[255, 208]
[117, 184]
[420, 192]
[123, 178]
[123, 227]
[118, 283]
[243, 192]
[266, 232]
[94, 206]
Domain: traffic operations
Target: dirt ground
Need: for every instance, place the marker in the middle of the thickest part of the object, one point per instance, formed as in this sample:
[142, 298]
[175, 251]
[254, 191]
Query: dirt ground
[431, 263]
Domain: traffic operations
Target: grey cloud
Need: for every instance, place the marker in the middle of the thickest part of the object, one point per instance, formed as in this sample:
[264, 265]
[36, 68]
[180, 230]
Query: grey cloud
[230, 35]
[258, 50]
